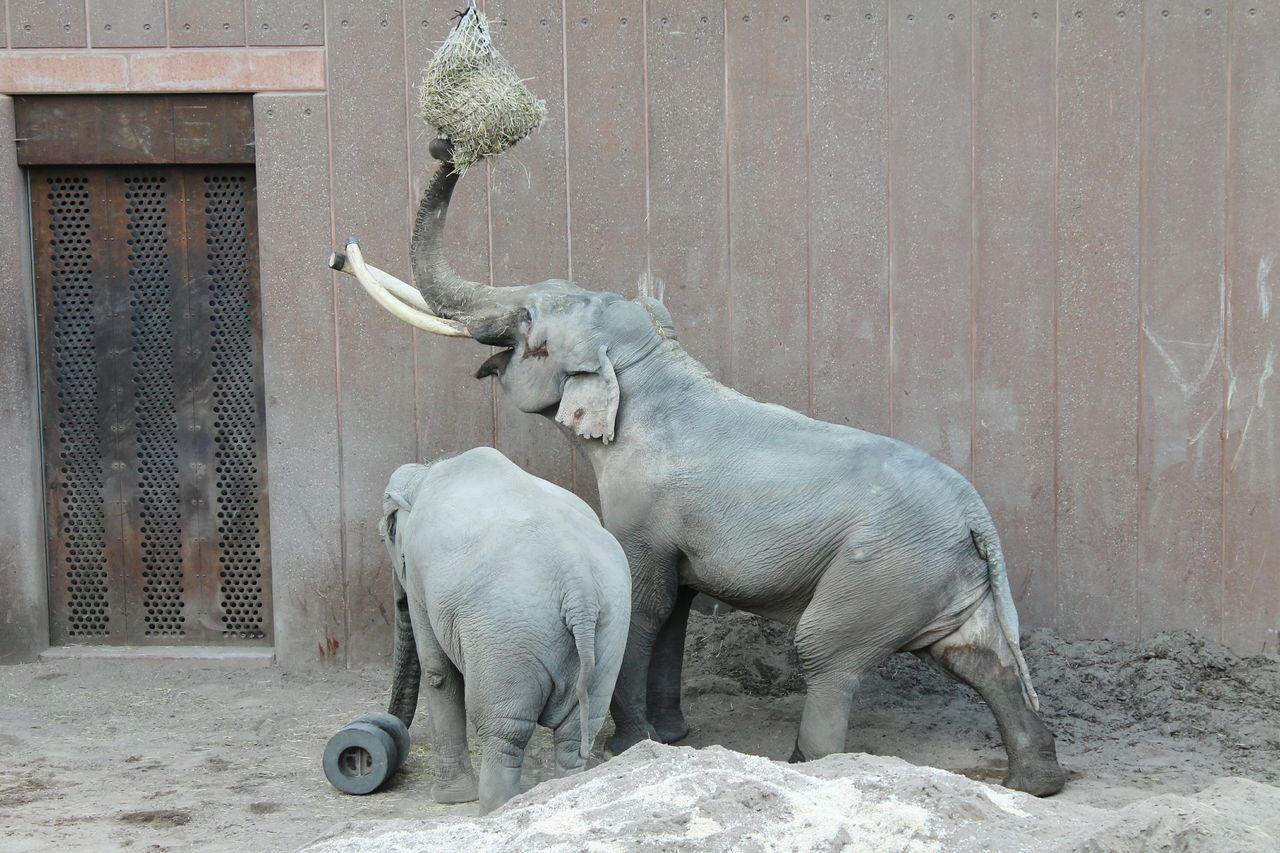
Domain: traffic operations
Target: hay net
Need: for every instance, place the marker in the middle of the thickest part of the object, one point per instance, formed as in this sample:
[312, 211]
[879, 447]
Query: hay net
[473, 96]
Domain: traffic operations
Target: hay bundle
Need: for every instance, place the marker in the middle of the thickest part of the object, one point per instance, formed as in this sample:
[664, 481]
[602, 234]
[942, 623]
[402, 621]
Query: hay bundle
[474, 97]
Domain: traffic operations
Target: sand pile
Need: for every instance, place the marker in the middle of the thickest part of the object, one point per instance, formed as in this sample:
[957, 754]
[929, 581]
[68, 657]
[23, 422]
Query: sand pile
[657, 797]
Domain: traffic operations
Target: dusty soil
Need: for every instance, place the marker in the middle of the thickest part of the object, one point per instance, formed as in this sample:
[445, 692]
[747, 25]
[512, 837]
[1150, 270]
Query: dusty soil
[163, 756]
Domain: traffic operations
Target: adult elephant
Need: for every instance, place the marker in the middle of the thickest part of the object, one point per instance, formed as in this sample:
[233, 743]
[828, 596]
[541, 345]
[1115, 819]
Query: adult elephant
[868, 546]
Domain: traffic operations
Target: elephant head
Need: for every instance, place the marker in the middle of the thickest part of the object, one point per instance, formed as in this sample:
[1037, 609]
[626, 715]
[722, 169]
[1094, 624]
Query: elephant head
[562, 346]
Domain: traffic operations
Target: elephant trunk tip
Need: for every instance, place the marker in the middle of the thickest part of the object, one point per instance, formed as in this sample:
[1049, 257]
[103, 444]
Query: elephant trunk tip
[442, 150]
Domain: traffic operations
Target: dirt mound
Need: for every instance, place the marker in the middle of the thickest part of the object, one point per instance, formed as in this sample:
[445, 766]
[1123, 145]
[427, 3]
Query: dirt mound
[1171, 687]
[657, 797]
[737, 652]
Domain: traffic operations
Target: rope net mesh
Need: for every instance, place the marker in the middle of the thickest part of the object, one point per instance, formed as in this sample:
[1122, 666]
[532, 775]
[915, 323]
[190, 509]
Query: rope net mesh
[473, 96]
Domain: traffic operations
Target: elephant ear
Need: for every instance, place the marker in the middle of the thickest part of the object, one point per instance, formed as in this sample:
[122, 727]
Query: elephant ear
[392, 503]
[589, 404]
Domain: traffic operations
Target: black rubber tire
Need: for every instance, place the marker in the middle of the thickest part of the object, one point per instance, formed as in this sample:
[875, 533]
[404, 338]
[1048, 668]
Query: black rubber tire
[360, 758]
[392, 725]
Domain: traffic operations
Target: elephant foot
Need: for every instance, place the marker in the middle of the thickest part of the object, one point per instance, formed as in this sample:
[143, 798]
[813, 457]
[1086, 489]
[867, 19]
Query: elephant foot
[462, 789]
[621, 741]
[1040, 776]
[670, 726]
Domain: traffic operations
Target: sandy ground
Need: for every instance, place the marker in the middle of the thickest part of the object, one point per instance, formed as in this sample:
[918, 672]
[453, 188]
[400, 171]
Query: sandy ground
[154, 756]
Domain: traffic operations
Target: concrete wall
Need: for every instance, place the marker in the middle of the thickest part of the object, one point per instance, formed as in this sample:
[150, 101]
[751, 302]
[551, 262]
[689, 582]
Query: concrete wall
[24, 602]
[1034, 238]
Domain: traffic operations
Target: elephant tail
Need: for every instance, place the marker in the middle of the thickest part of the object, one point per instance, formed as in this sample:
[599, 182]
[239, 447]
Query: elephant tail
[987, 542]
[584, 638]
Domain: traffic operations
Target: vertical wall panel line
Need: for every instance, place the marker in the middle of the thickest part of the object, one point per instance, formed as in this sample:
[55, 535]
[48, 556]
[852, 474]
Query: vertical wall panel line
[493, 380]
[808, 209]
[494, 387]
[564, 92]
[337, 348]
[728, 196]
[1142, 346]
[888, 205]
[1057, 262]
[644, 62]
[1225, 372]
[409, 211]
[568, 182]
[973, 243]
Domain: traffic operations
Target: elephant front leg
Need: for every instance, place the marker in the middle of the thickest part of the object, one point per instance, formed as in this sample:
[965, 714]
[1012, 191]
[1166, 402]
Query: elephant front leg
[630, 694]
[665, 667]
[653, 597]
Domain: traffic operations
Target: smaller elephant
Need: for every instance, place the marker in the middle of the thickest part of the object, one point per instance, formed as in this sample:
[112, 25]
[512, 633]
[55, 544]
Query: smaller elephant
[516, 602]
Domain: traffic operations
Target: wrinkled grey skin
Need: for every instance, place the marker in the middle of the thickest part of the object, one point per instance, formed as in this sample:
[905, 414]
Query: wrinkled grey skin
[867, 545]
[513, 600]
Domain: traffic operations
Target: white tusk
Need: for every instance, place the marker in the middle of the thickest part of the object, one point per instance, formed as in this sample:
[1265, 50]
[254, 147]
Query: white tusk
[407, 292]
[378, 286]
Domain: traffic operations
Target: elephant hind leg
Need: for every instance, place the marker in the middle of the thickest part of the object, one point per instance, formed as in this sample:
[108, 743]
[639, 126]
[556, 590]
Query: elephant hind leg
[501, 760]
[824, 722]
[568, 739]
[978, 654]
[834, 661]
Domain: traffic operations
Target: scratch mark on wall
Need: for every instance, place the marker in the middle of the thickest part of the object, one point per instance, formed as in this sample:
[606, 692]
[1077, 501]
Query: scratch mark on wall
[1253, 582]
[1264, 289]
[1188, 387]
[1199, 435]
[1260, 396]
[652, 287]
[1268, 368]
[1244, 433]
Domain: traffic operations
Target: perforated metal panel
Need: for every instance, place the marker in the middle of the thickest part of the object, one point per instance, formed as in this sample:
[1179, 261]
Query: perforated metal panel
[153, 409]
[75, 476]
[235, 407]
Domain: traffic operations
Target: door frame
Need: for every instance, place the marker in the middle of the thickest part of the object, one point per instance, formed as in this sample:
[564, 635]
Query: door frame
[292, 149]
[176, 434]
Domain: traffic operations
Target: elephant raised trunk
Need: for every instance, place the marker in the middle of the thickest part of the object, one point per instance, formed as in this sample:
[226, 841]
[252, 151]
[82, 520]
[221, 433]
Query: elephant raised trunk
[446, 293]
[443, 302]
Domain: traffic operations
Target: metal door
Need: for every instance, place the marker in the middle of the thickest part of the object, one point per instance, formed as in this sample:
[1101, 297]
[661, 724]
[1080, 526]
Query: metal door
[151, 371]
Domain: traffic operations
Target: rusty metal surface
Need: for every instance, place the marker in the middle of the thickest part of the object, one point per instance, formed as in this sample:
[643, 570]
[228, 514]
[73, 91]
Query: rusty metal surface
[300, 374]
[285, 22]
[127, 23]
[74, 129]
[47, 23]
[528, 201]
[931, 233]
[376, 387]
[607, 155]
[1184, 156]
[1099, 55]
[1047, 197]
[149, 333]
[848, 228]
[1251, 444]
[688, 216]
[24, 615]
[206, 23]
[454, 410]
[1014, 269]
[768, 200]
